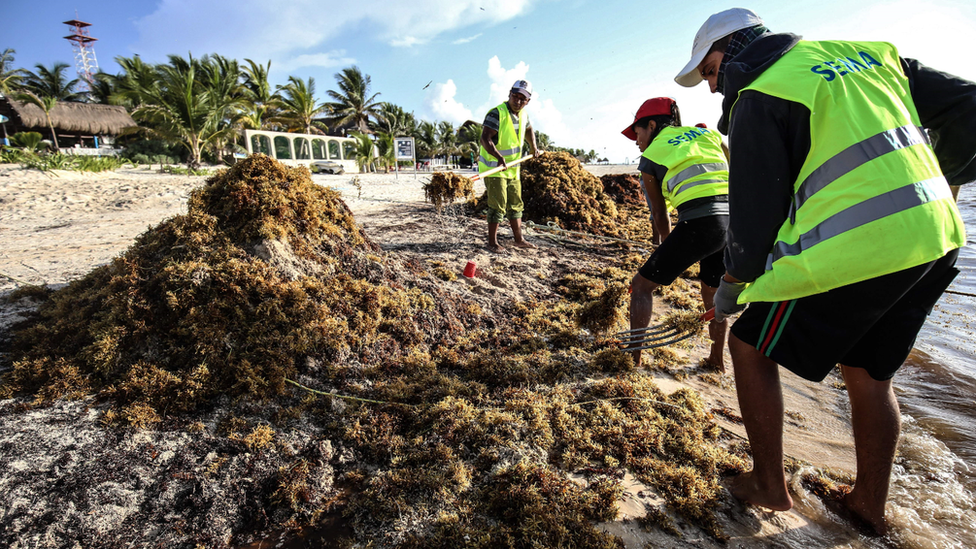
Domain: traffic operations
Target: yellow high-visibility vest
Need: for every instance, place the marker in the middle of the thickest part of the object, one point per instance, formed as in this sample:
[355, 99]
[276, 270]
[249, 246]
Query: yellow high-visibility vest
[695, 163]
[509, 144]
[870, 198]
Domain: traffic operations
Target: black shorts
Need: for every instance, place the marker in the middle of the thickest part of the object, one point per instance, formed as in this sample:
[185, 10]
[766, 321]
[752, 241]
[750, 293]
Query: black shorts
[871, 324]
[693, 241]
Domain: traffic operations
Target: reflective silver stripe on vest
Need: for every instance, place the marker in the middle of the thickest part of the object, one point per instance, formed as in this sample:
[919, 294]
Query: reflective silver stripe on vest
[699, 182]
[870, 210]
[692, 171]
[854, 156]
[486, 162]
[510, 152]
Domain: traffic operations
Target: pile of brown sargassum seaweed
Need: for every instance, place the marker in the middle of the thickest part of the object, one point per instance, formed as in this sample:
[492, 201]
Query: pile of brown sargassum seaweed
[434, 424]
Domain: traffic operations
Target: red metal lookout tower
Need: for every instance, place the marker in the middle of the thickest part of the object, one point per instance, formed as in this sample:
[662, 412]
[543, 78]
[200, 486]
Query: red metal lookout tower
[82, 43]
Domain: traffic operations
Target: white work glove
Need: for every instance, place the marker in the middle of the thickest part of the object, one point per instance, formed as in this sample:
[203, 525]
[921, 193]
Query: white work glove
[726, 299]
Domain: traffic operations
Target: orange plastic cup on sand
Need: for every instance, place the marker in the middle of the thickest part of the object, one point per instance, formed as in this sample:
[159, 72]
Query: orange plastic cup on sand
[469, 269]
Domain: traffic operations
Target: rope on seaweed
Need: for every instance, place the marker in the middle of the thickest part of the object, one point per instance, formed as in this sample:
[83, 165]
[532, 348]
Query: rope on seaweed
[551, 227]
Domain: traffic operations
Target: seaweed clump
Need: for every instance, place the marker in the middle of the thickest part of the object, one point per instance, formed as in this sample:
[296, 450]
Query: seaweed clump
[556, 187]
[265, 277]
[445, 188]
[624, 189]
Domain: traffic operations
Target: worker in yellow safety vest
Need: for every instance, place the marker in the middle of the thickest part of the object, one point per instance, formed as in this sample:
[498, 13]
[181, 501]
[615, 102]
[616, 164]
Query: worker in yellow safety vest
[503, 136]
[683, 169]
[843, 231]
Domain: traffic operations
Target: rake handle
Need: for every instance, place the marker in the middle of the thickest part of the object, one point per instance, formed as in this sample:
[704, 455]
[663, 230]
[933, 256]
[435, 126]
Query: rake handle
[709, 315]
[499, 168]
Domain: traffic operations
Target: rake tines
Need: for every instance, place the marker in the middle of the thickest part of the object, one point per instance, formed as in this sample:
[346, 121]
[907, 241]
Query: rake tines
[640, 339]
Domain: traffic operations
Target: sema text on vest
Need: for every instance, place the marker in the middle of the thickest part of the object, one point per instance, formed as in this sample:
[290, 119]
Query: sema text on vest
[688, 136]
[842, 66]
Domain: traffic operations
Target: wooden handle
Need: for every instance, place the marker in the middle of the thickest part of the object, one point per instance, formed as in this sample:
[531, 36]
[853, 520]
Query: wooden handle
[709, 315]
[500, 168]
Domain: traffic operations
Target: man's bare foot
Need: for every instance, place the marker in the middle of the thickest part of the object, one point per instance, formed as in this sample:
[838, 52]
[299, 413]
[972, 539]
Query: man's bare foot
[863, 515]
[524, 244]
[716, 362]
[496, 248]
[745, 488]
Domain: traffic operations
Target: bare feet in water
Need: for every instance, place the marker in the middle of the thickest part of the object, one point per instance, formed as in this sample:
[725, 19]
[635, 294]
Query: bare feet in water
[863, 516]
[746, 488]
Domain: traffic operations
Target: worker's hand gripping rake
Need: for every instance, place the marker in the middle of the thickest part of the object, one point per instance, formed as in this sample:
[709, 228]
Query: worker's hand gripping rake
[659, 335]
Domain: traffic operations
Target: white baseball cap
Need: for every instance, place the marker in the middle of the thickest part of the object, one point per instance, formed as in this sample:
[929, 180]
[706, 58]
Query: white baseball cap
[523, 87]
[717, 26]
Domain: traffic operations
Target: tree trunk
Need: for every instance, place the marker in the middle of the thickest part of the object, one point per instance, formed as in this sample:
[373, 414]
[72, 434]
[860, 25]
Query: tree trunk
[54, 134]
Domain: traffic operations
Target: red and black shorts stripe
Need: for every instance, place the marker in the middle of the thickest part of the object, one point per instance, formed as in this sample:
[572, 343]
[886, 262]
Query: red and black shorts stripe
[871, 324]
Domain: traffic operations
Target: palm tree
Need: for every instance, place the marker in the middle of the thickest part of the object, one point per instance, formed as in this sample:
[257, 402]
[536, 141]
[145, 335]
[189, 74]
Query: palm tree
[10, 78]
[47, 104]
[543, 141]
[426, 138]
[299, 107]
[353, 104]
[101, 88]
[364, 151]
[222, 78]
[447, 143]
[469, 139]
[394, 120]
[386, 150]
[51, 82]
[183, 107]
[262, 102]
[137, 81]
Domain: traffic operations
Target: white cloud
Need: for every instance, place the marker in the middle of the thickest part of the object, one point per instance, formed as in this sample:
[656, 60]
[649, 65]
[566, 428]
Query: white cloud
[501, 81]
[440, 104]
[406, 42]
[331, 59]
[260, 29]
[468, 39]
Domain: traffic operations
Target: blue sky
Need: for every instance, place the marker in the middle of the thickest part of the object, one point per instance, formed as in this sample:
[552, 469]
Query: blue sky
[592, 62]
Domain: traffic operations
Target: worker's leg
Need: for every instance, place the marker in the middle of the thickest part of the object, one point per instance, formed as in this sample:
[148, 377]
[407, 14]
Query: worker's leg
[493, 244]
[520, 241]
[761, 405]
[497, 198]
[641, 306]
[877, 425]
[515, 209]
[717, 331]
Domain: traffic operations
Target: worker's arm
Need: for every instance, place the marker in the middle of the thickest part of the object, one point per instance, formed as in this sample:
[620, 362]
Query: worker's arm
[947, 108]
[487, 134]
[659, 207]
[530, 139]
[769, 140]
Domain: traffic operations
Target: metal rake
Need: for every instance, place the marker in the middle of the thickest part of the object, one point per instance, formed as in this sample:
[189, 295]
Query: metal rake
[659, 335]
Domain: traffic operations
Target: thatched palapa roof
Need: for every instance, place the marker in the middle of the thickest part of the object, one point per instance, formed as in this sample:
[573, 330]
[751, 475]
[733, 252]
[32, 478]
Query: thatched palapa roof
[90, 118]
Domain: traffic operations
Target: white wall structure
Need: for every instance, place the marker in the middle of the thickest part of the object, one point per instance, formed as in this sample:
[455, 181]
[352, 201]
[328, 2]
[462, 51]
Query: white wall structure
[301, 149]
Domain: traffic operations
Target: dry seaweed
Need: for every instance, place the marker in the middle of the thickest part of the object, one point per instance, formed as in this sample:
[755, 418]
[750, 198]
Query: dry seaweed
[445, 188]
[624, 189]
[555, 187]
[451, 427]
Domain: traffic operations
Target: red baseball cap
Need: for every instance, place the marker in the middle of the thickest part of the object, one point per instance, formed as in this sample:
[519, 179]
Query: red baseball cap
[651, 107]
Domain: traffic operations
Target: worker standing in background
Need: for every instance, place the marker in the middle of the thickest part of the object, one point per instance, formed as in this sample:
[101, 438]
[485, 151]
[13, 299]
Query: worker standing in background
[503, 135]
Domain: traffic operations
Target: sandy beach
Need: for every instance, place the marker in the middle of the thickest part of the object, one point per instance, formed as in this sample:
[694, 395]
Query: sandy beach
[56, 227]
